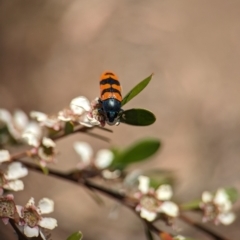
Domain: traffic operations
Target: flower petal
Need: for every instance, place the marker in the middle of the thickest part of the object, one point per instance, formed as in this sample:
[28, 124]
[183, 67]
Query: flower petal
[207, 197]
[164, 192]
[48, 142]
[221, 197]
[32, 134]
[143, 184]
[19, 210]
[16, 170]
[104, 158]
[150, 216]
[4, 156]
[31, 232]
[79, 105]
[46, 205]
[87, 121]
[49, 223]
[169, 208]
[20, 119]
[39, 116]
[227, 218]
[5, 116]
[15, 185]
[84, 150]
[30, 202]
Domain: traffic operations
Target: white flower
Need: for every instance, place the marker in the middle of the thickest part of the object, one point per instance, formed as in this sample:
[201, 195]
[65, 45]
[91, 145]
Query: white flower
[164, 192]
[102, 160]
[14, 185]
[79, 111]
[19, 127]
[84, 150]
[217, 207]
[46, 151]
[5, 116]
[15, 170]
[4, 156]
[169, 208]
[150, 216]
[18, 124]
[152, 202]
[32, 219]
[39, 116]
[207, 197]
[88, 121]
[20, 119]
[143, 184]
[46, 205]
[80, 105]
[45, 120]
[32, 134]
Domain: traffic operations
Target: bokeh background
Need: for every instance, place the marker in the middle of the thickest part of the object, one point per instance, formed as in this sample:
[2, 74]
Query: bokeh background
[52, 51]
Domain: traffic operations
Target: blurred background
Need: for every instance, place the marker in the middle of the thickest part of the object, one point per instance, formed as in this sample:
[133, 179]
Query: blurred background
[52, 51]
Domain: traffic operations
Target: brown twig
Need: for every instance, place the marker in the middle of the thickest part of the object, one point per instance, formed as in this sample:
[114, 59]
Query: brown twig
[63, 134]
[123, 199]
[202, 228]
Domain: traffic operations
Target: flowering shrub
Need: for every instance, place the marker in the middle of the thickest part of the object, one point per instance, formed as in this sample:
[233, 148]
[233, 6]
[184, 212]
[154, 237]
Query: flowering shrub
[149, 194]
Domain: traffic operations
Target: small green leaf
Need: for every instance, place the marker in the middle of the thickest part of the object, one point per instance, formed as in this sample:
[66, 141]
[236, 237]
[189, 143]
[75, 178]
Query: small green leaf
[137, 117]
[140, 151]
[44, 169]
[193, 205]
[232, 194]
[136, 90]
[75, 236]
[69, 128]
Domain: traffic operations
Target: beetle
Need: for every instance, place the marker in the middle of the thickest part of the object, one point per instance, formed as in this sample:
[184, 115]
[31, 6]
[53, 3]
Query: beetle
[110, 97]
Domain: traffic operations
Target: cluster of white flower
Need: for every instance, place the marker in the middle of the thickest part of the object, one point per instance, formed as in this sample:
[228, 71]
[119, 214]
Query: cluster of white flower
[217, 207]
[153, 203]
[28, 218]
[18, 124]
[9, 179]
[80, 111]
[101, 162]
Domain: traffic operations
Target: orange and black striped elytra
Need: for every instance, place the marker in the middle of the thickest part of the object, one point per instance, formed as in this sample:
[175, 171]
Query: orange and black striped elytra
[110, 96]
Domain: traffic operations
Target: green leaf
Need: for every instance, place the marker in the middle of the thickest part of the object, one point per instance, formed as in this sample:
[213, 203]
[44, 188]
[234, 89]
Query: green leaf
[232, 194]
[136, 90]
[75, 236]
[137, 117]
[140, 151]
[69, 128]
[193, 205]
[44, 169]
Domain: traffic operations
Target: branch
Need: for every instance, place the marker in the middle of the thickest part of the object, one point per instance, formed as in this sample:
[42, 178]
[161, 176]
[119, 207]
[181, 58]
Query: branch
[202, 228]
[122, 198]
[21, 236]
[62, 134]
